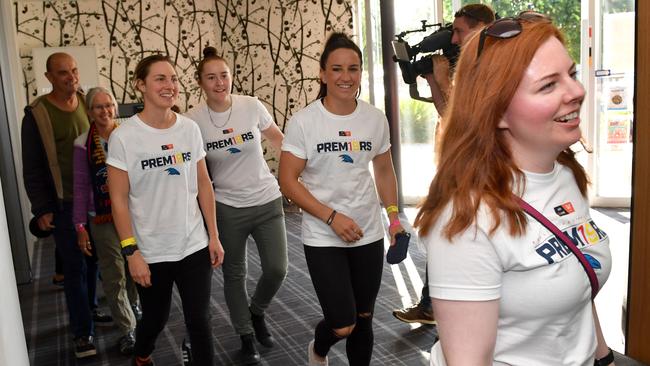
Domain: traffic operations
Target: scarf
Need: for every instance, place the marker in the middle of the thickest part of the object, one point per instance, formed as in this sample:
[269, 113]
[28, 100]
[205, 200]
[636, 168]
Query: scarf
[98, 175]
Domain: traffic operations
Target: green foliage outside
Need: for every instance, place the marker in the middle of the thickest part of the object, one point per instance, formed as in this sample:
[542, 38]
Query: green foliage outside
[418, 121]
[565, 14]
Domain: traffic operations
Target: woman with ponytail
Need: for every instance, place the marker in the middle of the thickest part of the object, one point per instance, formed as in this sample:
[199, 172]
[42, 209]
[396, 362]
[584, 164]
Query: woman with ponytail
[330, 145]
[163, 209]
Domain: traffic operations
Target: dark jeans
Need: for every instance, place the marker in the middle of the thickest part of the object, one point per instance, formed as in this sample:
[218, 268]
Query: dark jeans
[425, 299]
[192, 276]
[80, 274]
[58, 262]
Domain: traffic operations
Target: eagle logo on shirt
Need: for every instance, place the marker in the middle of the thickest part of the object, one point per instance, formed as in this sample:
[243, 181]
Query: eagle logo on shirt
[346, 158]
[172, 171]
[234, 150]
[593, 262]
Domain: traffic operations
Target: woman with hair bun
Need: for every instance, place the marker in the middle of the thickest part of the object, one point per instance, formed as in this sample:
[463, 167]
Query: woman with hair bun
[330, 144]
[249, 202]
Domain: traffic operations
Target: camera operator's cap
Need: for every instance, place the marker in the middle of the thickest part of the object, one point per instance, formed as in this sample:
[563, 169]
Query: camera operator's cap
[36, 231]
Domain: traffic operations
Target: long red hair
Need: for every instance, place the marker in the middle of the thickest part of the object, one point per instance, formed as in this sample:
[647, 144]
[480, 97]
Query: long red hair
[476, 165]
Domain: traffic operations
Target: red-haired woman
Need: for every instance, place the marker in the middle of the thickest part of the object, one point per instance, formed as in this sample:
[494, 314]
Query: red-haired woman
[505, 290]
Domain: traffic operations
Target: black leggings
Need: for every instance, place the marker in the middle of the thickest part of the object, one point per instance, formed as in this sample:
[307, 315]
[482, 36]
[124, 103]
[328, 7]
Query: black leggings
[192, 276]
[347, 282]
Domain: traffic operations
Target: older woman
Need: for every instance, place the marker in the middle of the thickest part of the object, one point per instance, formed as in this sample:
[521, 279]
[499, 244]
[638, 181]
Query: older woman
[513, 115]
[92, 213]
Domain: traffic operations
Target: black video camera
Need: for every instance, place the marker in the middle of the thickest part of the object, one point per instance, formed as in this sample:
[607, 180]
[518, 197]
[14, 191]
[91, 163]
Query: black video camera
[405, 55]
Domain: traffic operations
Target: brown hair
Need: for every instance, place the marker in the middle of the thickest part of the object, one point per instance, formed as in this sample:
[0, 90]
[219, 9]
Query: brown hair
[476, 165]
[335, 41]
[209, 54]
[475, 13]
[142, 68]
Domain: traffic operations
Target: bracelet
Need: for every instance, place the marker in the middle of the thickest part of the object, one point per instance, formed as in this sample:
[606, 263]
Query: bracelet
[79, 227]
[605, 361]
[331, 218]
[390, 209]
[127, 242]
[394, 223]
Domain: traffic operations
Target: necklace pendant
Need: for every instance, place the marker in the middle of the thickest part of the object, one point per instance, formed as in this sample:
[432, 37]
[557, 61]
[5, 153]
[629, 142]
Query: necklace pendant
[227, 119]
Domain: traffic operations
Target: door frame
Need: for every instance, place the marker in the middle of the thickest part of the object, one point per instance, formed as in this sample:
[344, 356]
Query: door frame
[637, 343]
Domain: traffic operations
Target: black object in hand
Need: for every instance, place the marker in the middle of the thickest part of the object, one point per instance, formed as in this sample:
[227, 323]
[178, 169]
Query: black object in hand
[397, 252]
[36, 230]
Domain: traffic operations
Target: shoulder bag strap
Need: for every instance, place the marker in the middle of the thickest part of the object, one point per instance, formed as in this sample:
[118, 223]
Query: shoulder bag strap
[593, 280]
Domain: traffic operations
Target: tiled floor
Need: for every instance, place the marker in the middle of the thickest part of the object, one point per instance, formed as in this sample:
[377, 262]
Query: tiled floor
[292, 315]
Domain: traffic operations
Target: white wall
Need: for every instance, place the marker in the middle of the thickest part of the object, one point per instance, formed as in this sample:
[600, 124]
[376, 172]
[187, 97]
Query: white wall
[12, 84]
[13, 350]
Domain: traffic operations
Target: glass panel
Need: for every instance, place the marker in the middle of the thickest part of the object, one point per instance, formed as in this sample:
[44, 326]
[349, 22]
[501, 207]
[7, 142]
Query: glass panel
[372, 89]
[614, 92]
[417, 118]
[565, 14]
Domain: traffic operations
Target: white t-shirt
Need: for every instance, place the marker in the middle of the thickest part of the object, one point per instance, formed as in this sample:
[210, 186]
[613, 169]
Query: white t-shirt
[545, 314]
[338, 150]
[240, 175]
[163, 187]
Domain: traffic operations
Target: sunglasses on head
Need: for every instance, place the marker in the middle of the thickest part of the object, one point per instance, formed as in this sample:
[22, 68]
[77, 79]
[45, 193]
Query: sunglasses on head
[510, 27]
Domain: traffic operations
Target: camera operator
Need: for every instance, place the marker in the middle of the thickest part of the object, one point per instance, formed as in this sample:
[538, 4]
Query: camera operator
[467, 21]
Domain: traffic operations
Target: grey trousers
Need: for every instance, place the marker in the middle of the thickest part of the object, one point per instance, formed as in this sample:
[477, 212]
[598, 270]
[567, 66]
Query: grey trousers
[118, 286]
[265, 223]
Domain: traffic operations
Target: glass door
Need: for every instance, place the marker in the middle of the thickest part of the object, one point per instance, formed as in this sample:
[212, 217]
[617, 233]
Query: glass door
[417, 117]
[610, 88]
[613, 84]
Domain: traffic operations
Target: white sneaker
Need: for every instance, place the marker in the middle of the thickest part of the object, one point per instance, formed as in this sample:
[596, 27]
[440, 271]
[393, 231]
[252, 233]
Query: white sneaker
[312, 356]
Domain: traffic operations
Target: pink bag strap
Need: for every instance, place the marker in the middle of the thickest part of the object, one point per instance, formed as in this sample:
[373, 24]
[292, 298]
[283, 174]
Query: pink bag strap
[593, 280]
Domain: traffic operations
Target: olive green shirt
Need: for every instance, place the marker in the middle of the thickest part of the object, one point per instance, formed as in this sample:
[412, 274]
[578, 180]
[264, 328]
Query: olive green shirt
[66, 126]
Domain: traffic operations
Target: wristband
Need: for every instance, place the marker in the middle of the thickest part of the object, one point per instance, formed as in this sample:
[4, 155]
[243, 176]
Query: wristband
[80, 227]
[394, 223]
[331, 218]
[127, 242]
[129, 250]
[390, 209]
[605, 361]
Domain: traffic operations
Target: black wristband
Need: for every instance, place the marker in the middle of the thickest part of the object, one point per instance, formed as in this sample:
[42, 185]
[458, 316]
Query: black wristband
[331, 218]
[129, 250]
[605, 361]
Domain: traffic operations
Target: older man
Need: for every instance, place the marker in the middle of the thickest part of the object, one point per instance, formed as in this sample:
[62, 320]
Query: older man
[50, 125]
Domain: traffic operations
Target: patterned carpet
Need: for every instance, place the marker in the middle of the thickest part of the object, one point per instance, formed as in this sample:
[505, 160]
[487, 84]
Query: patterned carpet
[291, 317]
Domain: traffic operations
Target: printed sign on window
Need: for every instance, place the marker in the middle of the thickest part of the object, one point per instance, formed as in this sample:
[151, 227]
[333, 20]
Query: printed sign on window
[617, 98]
[617, 131]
